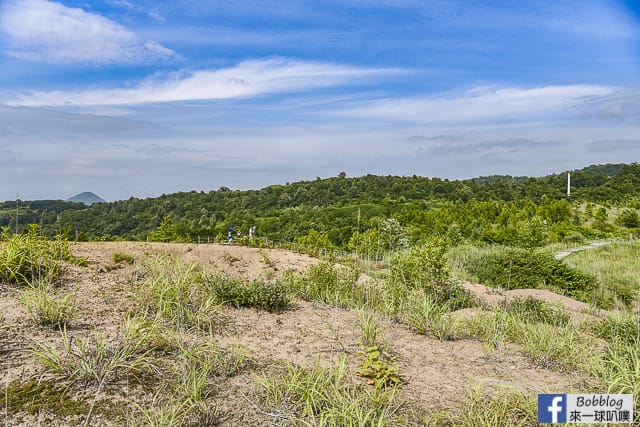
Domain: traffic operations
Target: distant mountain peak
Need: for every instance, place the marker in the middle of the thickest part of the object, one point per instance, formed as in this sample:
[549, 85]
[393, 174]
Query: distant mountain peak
[87, 198]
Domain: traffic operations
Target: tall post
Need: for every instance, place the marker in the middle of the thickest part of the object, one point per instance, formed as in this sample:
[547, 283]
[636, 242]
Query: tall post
[17, 210]
[358, 232]
[568, 184]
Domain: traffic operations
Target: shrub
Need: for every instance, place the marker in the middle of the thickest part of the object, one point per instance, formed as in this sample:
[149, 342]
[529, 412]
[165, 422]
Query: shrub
[510, 268]
[119, 257]
[235, 292]
[379, 367]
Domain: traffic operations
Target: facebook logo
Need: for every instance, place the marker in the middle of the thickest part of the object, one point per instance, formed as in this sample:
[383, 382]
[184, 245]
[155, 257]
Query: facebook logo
[552, 408]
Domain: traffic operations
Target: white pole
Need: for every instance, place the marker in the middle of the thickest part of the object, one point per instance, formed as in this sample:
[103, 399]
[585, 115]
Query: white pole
[568, 184]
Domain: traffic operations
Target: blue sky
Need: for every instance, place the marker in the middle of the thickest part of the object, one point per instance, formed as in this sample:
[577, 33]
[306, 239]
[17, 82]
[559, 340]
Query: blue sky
[140, 98]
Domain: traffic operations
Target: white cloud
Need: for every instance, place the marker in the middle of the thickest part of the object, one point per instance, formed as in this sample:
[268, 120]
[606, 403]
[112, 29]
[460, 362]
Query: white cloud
[480, 103]
[41, 30]
[247, 79]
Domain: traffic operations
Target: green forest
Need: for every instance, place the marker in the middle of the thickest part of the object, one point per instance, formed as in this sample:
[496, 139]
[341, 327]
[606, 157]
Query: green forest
[374, 211]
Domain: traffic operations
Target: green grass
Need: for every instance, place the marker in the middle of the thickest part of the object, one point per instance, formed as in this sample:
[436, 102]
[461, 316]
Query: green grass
[272, 297]
[483, 408]
[173, 292]
[435, 320]
[35, 397]
[561, 348]
[617, 269]
[91, 362]
[325, 397]
[121, 257]
[46, 306]
[25, 258]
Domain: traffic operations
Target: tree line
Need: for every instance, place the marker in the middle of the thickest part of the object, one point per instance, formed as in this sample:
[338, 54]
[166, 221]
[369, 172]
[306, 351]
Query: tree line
[338, 211]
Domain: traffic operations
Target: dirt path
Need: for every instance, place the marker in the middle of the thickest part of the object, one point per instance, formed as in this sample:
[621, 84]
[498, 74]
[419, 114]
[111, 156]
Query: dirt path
[594, 245]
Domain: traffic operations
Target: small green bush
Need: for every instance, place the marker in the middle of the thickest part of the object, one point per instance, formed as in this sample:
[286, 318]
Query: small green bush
[379, 367]
[119, 257]
[511, 268]
[262, 296]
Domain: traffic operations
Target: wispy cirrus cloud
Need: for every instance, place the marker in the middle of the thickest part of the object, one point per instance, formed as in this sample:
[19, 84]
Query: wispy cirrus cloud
[247, 79]
[480, 104]
[41, 30]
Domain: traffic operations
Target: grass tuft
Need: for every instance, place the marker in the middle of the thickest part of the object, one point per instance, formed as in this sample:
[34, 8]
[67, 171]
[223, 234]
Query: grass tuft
[46, 307]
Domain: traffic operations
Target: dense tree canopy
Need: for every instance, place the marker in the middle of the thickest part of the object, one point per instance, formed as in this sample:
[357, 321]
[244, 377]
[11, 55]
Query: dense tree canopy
[497, 209]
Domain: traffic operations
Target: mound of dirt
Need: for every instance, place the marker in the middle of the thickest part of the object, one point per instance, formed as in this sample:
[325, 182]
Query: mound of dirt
[494, 296]
[438, 373]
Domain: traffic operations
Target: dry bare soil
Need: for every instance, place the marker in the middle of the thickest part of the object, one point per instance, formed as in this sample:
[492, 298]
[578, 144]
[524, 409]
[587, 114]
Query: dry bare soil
[438, 374]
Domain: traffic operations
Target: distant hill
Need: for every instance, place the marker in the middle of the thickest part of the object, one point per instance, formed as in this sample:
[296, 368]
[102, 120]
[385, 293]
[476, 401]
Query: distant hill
[491, 209]
[88, 198]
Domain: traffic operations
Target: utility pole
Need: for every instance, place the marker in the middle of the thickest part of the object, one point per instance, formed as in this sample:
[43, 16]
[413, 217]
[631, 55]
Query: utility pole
[568, 184]
[17, 211]
[358, 232]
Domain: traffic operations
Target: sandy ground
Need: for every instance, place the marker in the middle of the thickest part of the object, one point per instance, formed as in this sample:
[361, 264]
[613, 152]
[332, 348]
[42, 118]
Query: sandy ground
[438, 373]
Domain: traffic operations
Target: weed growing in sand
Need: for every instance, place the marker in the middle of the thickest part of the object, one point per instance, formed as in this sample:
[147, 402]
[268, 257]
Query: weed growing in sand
[502, 407]
[28, 257]
[199, 373]
[46, 307]
[552, 347]
[324, 396]
[547, 346]
[535, 310]
[121, 257]
[90, 362]
[432, 319]
[195, 383]
[272, 297]
[161, 413]
[369, 327]
[268, 261]
[492, 328]
[623, 327]
[148, 335]
[379, 367]
[173, 292]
